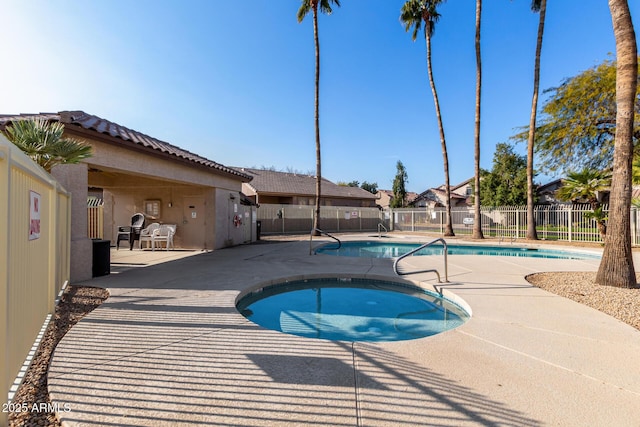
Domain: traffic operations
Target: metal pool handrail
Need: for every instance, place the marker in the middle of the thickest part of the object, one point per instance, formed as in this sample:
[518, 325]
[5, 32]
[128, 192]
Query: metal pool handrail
[446, 274]
[313, 230]
[381, 225]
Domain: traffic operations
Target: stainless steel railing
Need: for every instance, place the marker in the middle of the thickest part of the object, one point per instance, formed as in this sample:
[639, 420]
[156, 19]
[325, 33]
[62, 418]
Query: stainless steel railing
[446, 273]
[381, 227]
[314, 230]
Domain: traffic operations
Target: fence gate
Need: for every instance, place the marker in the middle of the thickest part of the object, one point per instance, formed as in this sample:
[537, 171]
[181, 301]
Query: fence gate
[95, 218]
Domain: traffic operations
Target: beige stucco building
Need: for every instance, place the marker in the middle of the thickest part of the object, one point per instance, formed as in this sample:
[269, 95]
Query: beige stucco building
[133, 172]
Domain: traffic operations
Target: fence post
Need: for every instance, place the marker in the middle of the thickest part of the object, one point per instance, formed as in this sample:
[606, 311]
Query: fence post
[570, 220]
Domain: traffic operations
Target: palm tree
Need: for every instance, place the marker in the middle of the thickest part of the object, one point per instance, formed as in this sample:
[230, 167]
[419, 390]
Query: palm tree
[325, 7]
[616, 267]
[477, 224]
[413, 13]
[585, 185]
[541, 7]
[43, 142]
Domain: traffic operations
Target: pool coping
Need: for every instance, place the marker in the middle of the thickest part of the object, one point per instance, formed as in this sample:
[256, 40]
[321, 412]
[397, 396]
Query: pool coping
[170, 330]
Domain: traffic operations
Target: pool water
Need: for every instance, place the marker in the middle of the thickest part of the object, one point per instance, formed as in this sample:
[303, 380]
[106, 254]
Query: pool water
[351, 310]
[372, 249]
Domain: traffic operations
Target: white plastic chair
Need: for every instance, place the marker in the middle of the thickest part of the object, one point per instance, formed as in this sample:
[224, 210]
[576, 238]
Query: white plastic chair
[163, 234]
[146, 234]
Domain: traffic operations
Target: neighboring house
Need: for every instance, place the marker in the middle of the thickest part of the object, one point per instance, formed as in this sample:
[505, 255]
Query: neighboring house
[547, 193]
[271, 187]
[386, 196]
[133, 172]
[437, 197]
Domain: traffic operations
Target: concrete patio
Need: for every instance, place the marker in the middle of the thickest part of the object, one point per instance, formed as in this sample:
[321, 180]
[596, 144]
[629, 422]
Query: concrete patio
[169, 348]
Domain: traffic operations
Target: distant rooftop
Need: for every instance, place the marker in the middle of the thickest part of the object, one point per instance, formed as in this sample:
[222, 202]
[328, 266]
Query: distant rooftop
[106, 127]
[272, 182]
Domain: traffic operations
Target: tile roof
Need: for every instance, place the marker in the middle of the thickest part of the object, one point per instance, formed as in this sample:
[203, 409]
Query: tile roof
[272, 182]
[106, 127]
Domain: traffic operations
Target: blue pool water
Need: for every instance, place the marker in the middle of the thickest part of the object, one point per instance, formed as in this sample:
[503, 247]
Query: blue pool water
[351, 310]
[373, 249]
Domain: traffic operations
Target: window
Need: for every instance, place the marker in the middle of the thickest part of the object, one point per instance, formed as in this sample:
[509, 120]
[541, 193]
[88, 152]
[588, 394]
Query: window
[152, 208]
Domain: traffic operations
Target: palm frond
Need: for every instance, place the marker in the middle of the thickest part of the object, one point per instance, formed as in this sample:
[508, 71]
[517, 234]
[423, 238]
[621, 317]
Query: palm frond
[305, 7]
[44, 143]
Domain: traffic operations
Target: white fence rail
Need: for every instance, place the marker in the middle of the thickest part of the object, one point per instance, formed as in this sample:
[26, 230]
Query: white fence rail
[553, 222]
[569, 223]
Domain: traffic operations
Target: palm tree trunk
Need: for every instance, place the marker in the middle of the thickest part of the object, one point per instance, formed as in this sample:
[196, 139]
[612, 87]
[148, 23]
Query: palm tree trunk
[477, 223]
[616, 268]
[448, 230]
[316, 219]
[531, 217]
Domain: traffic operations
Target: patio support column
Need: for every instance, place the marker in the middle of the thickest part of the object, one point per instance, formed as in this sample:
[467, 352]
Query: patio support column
[74, 178]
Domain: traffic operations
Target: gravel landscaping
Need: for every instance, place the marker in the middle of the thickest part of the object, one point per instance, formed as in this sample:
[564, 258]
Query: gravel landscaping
[76, 302]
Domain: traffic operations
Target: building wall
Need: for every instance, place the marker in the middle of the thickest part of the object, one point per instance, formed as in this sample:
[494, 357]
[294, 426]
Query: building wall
[185, 193]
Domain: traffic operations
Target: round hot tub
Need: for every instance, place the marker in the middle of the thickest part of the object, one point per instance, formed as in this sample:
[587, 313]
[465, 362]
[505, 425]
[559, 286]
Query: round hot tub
[352, 309]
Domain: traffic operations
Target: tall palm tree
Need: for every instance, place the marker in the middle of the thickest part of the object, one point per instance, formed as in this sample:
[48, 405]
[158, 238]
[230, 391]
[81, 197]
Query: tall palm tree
[43, 142]
[325, 7]
[541, 7]
[413, 13]
[585, 185]
[616, 267]
[477, 224]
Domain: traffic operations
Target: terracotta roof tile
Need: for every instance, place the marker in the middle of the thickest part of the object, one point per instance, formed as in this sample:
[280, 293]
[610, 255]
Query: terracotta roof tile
[102, 126]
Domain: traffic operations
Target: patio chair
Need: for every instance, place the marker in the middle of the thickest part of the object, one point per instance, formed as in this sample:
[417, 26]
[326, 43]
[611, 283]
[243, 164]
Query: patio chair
[146, 234]
[130, 232]
[163, 234]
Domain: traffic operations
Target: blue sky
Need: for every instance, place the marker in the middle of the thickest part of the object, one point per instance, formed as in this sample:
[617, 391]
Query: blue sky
[234, 81]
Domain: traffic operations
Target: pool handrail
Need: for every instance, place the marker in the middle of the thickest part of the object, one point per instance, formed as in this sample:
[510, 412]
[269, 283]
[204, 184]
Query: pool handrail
[381, 225]
[314, 230]
[446, 273]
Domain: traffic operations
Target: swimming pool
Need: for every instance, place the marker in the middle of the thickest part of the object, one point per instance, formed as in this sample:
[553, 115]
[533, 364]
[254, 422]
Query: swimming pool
[351, 309]
[373, 249]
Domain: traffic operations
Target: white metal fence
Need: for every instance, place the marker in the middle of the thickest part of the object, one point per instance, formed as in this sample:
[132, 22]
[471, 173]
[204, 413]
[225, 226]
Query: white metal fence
[553, 222]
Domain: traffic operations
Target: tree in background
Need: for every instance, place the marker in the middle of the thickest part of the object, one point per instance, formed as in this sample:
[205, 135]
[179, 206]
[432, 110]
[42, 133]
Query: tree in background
[399, 187]
[43, 142]
[577, 126]
[584, 186]
[370, 187]
[413, 13]
[325, 7]
[477, 224]
[505, 184]
[541, 7]
[616, 267]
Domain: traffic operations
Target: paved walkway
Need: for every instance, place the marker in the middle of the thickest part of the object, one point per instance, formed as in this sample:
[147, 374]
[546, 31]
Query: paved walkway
[169, 348]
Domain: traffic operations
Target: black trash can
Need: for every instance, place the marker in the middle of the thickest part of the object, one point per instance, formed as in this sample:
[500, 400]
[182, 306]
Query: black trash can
[101, 257]
[258, 229]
